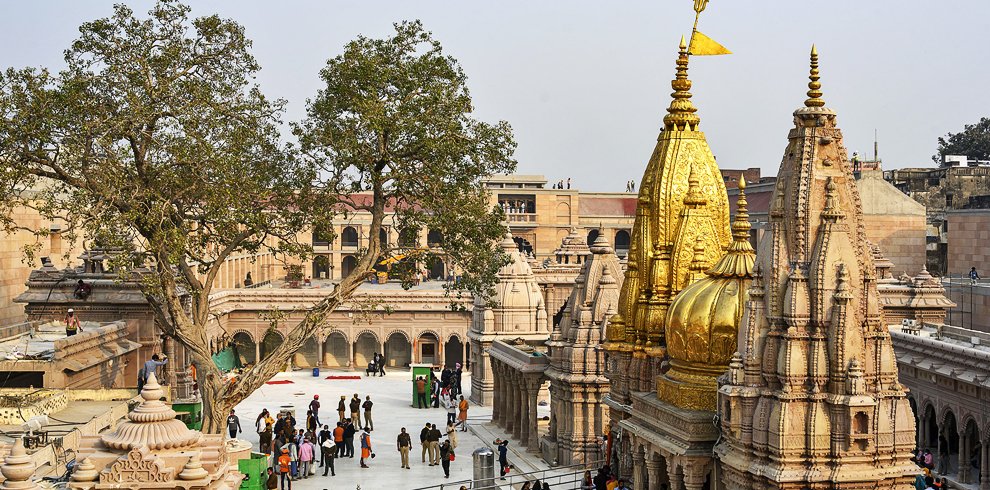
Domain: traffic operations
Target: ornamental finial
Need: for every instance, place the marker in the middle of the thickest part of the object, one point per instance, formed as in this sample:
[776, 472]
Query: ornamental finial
[814, 86]
[681, 113]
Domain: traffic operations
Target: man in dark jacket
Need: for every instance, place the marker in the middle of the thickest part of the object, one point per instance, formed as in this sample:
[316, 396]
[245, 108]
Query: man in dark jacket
[422, 440]
[324, 436]
[433, 438]
[349, 430]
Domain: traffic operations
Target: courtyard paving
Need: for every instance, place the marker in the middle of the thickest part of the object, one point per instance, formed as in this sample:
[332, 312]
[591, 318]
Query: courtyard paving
[392, 396]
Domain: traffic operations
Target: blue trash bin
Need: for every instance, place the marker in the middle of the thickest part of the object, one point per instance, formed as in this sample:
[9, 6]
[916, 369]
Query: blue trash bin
[316, 372]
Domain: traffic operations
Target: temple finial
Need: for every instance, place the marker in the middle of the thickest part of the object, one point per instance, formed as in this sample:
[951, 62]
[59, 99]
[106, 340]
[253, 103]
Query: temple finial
[741, 225]
[814, 86]
[694, 197]
[681, 113]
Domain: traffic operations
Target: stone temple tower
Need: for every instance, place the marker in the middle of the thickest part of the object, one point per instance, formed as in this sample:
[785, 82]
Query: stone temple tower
[812, 398]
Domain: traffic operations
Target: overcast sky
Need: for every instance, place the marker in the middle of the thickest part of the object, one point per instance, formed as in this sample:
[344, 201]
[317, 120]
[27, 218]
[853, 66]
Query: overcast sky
[585, 83]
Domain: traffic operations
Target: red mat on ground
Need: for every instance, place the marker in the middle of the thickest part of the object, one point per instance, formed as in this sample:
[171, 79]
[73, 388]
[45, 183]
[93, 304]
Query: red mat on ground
[343, 377]
[280, 382]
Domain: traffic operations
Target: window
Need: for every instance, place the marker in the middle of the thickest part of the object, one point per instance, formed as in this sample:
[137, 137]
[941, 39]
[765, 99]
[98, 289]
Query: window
[349, 238]
[322, 237]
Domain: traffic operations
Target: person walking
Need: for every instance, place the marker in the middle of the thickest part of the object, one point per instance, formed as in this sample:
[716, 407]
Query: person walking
[366, 448]
[421, 393]
[403, 443]
[72, 325]
[328, 452]
[306, 454]
[284, 467]
[272, 482]
[356, 411]
[349, 431]
[233, 425]
[311, 424]
[423, 434]
[381, 364]
[446, 452]
[342, 407]
[973, 278]
[434, 439]
[368, 424]
[503, 456]
[462, 407]
[452, 435]
[314, 406]
[338, 440]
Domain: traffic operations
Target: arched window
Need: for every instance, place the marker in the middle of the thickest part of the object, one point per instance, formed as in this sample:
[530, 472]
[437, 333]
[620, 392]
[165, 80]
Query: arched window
[347, 265]
[321, 267]
[383, 237]
[622, 243]
[592, 235]
[408, 237]
[322, 237]
[434, 238]
[349, 237]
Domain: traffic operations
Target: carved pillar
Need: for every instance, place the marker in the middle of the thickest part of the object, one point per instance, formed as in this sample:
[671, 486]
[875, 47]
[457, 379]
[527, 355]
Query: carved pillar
[497, 400]
[675, 474]
[694, 476]
[533, 389]
[653, 472]
[350, 355]
[923, 431]
[963, 458]
[319, 352]
[511, 420]
[639, 472]
[257, 352]
[525, 419]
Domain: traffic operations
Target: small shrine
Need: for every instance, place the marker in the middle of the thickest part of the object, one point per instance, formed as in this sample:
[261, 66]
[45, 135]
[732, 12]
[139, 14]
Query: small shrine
[152, 449]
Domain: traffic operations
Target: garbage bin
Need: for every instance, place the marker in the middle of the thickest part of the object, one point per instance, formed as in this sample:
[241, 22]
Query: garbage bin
[255, 470]
[316, 372]
[483, 460]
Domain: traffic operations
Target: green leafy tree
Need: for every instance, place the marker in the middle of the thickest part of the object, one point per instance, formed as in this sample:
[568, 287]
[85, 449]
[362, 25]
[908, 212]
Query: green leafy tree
[973, 141]
[155, 140]
[392, 135]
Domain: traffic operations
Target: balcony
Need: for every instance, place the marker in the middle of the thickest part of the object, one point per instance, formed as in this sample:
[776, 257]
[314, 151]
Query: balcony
[521, 219]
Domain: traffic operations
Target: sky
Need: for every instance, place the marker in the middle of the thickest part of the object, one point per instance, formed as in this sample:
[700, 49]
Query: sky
[585, 84]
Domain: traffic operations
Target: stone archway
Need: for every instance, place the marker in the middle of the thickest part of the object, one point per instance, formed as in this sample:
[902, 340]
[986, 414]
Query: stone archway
[308, 356]
[398, 351]
[335, 351]
[428, 348]
[621, 243]
[273, 339]
[453, 351]
[365, 347]
[930, 428]
[592, 235]
[349, 237]
[948, 444]
[244, 347]
[347, 265]
[969, 459]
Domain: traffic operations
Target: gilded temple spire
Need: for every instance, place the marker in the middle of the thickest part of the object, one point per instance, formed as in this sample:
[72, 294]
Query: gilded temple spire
[814, 86]
[681, 115]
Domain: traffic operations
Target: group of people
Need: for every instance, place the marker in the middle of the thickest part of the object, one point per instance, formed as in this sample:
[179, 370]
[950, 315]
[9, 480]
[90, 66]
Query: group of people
[295, 450]
[604, 480]
[926, 480]
[377, 365]
[444, 391]
[630, 186]
[561, 185]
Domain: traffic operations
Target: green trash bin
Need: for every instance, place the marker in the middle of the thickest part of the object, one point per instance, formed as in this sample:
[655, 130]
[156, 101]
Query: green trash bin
[190, 413]
[424, 371]
[255, 469]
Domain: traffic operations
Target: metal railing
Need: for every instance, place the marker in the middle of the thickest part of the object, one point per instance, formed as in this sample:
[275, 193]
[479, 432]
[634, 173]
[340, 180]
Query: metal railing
[557, 481]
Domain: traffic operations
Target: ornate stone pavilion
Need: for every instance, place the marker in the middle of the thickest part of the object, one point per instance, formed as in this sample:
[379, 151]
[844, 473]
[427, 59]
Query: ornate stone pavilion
[812, 399]
[681, 230]
[152, 449]
[519, 314]
[577, 361]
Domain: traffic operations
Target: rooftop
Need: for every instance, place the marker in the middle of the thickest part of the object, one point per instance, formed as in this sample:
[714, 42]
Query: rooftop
[33, 340]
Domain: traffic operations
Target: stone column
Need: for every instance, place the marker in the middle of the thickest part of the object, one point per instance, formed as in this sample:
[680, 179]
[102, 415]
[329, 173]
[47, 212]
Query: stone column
[694, 476]
[496, 400]
[257, 352]
[517, 403]
[412, 352]
[675, 474]
[639, 472]
[350, 354]
[510, 401]
[319, 352]
[526, 417]
[923, 431]
[653, 472]
[534, 425]
[963, 458]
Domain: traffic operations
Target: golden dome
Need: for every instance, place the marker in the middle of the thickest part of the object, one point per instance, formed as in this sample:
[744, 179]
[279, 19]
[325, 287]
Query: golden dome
[703, 322]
